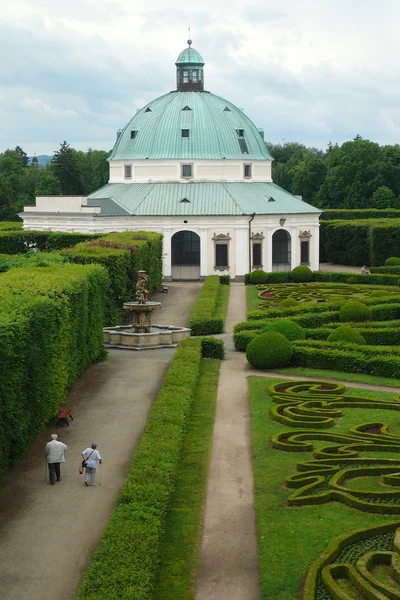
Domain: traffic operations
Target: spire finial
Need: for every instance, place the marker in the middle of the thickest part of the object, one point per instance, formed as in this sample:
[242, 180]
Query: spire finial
[189, 40]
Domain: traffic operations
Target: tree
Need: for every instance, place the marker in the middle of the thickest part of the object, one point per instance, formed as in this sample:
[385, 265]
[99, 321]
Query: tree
[307, 177]
[8, 211]
[47, 184]
[23, 155]
[383, 197]
[66, 168]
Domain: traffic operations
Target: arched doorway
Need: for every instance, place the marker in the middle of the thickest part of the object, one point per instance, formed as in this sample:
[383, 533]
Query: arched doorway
[281, 250]
[185, 256]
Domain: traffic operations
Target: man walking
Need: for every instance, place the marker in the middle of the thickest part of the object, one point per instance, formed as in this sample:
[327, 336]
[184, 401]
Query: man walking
[54, 454]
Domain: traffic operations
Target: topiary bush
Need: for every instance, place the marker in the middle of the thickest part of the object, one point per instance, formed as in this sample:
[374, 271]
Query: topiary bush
[301, 274]
[352, 280]
[289, 329]
[354, 311]
[269, 351]
[258, 276]
[288, 302]
[346, 334]
[392, 261]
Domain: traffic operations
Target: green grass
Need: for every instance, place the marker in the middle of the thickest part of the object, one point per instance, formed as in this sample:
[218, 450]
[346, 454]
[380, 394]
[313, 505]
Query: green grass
[357, 377]
[252, 299]
[181, 546]
[290, 539]
[221, 305]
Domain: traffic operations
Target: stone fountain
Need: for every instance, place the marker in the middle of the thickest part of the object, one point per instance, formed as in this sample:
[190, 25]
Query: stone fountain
[140, 333]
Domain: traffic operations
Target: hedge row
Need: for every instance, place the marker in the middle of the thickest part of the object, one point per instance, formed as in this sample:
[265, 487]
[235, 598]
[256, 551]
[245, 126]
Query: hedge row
[10, 225]
[126, 563]
[51, 323]
[359, 214]
[20, 241]
[376, 278]
[123, 255]
[359, 242]
[209, 311]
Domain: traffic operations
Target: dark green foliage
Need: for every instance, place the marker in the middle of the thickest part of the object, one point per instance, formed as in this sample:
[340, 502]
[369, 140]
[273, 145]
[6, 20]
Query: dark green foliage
[66, 168]
[208, 313]
[126, 563]
[392, 261]
[346, 334]
[290, 329]
[301, 274]
[21, 241]
[212, 348]
[225, 279]
[242, 339]
[247, 279]
[355, 312]
[10, 225]
[258, 276]
[269, 351]
[51, 321]
[359, 214]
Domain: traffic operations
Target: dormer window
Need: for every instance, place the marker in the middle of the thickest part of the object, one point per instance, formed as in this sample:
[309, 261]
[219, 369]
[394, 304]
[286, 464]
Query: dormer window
[240, 133]
[128, 171]
[134, 133]
[185, 133]
[148, 109]
[186, 108]
[186, 172]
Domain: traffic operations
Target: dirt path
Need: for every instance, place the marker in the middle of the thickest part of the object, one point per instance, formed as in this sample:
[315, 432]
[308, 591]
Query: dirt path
[47, 533]
[229, 561]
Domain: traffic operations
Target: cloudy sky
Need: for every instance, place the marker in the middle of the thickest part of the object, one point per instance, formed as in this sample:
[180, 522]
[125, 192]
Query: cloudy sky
[312, 71]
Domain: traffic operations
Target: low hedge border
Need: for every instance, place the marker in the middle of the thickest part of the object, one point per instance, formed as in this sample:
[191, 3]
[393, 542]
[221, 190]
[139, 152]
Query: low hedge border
[209, 311]
[126, 563]
[376, 278]
[337, 547]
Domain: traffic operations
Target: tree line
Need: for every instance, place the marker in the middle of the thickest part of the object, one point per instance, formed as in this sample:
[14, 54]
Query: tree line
[70, 172]
[356, 174]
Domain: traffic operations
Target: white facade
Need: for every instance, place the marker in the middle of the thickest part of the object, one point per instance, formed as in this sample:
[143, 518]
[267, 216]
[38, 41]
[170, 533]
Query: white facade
[238, 233]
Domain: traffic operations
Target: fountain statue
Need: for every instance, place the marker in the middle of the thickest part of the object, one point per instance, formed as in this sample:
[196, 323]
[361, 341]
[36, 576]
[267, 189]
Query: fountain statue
[140, 333]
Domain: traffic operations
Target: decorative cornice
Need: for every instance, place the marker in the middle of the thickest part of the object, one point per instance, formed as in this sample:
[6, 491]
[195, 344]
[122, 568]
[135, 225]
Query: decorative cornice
[305, 234]
[257, 236]
[221, 237]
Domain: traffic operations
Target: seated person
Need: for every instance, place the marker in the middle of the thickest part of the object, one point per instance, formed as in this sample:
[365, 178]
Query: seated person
[365, 271]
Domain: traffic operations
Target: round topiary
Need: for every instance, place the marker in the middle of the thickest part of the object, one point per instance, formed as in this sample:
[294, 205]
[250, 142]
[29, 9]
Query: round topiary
[346, 334]
[392, 261]
[301, 274]
[258, 276]
[288, 302]
[355, 311]
[290, 329]
[377, 293]
[269, 351]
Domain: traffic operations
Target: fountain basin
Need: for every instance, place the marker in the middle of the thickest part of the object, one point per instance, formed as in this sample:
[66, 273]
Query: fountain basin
[158, 336]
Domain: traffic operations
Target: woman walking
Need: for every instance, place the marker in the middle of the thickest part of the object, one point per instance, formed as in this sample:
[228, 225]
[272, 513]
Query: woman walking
[91, 457]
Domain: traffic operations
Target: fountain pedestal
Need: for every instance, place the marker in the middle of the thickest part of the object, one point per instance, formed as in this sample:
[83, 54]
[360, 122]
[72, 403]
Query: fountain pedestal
[141, 314]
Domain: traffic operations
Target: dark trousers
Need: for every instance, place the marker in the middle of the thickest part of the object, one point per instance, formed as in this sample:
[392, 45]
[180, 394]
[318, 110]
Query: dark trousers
[54, 472]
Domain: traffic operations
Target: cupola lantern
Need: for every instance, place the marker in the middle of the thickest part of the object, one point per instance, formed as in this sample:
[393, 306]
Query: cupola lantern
[189, 70]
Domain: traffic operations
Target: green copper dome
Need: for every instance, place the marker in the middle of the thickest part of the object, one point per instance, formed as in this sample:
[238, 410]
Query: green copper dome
[189, 56]
[190, 125]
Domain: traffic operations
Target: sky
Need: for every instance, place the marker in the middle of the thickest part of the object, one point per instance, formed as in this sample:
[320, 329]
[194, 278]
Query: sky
[311, 72]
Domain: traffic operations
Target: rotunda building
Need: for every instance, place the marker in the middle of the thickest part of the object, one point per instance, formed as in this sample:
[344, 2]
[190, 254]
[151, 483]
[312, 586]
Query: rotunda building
[194, 167]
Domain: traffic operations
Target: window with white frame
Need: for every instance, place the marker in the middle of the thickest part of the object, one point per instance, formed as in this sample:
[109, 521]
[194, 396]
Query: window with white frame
[194, 76]
[187, 171]
[128, 171]
[185, 75]
[221, 251]
[247, 171]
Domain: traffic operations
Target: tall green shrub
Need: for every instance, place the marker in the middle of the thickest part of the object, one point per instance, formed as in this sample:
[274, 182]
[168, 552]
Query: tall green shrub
[205, 318]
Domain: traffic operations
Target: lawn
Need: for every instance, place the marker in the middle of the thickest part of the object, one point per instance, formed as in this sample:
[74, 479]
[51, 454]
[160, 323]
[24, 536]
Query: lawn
[340, 376]
[252, 299]
[290, 539]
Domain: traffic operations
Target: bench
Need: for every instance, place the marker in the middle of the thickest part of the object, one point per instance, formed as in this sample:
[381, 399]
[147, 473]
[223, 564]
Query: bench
[64, 416]
[164, 289]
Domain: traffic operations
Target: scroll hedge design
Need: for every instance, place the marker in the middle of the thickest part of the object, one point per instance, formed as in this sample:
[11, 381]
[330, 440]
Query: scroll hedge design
[364, 565]
[328, 476]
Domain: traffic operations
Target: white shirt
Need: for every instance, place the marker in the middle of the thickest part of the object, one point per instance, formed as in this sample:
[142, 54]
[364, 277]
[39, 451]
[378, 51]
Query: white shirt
[91, 456]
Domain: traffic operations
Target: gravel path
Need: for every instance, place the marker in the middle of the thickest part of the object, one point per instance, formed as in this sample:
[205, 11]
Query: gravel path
[48, 533]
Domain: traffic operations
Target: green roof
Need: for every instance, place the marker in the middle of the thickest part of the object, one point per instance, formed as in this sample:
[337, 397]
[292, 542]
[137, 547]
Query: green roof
[189, 56]
[213, 124]
[200, 199]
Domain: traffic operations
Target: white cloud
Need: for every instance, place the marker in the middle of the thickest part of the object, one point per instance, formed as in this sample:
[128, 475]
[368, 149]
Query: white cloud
[308, 71]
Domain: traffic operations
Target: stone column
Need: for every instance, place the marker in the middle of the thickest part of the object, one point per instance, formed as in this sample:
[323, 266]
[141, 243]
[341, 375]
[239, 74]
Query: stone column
[204, 253]
[167, 254]
[241, 258]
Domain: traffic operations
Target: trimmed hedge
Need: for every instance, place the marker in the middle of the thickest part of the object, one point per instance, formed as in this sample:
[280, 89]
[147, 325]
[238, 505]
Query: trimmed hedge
[357, 214]
[258, 276]
[269, 351]
[10, 225]
[225, 279]
[289, 329]
[346, 335]
[301, 274]
[51, 322]
[125, 564]
[123, 255]
[20, 241]
[208, 313]
[212, 348]
[354, 311]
